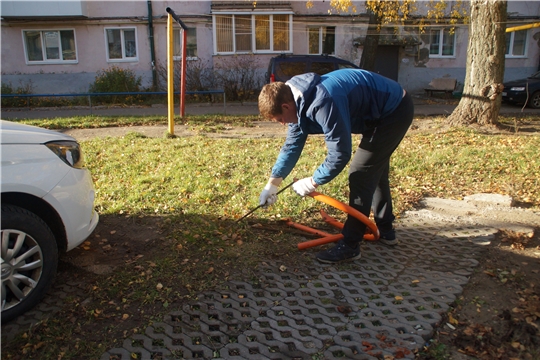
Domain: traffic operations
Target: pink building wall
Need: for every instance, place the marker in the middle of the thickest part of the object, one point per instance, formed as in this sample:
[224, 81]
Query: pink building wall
[91, 44]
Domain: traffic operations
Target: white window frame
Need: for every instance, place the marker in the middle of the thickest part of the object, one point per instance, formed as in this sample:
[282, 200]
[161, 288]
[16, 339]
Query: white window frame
[44, 50]
[179, 57]
[510, 54]
[441, 43]
[253, 38]
[321, 46]
[122, 43]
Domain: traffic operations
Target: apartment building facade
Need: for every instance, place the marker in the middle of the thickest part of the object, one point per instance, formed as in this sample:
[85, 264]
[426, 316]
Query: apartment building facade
[59, 46]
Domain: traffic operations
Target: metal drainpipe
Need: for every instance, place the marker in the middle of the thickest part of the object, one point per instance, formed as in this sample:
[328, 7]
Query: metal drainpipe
[152, 47]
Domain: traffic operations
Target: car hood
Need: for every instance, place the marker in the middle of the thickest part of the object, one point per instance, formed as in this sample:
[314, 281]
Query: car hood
[14, 133]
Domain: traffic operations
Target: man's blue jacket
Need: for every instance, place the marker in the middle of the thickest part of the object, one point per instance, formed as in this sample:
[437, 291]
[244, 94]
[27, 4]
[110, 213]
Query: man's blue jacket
[338, 104]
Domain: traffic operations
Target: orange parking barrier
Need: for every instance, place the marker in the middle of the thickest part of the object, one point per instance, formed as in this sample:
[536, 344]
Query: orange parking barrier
[306, 228]
[372, 232]
[330, 220]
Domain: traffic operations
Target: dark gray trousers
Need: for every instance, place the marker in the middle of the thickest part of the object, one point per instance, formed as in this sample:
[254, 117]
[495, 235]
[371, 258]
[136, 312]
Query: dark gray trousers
[368, 174]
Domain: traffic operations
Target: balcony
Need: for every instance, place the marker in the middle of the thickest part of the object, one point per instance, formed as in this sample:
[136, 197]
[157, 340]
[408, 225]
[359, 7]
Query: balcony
[43, 9]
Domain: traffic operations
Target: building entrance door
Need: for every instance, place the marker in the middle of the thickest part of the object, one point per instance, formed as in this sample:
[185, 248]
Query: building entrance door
[387, 61]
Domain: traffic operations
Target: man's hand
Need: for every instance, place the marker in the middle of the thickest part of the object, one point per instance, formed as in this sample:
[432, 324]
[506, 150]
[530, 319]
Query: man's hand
[268, 195]
[305, 186]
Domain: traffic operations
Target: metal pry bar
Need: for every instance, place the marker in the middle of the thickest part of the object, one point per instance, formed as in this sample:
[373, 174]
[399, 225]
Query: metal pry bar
[252, 211]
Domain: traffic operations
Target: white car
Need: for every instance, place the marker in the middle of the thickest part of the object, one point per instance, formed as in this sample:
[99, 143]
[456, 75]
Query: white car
[47, 208]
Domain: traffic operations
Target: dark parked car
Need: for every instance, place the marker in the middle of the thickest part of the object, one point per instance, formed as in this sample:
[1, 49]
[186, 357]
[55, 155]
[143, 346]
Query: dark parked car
[523, 91]
[284, 67]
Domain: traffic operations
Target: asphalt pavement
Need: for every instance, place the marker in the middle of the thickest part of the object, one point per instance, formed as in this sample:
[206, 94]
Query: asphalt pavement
[423, 106]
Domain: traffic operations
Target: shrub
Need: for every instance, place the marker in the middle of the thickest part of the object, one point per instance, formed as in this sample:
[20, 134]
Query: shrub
[116, 79]
[199, 77]
[9, 89]
[239, 76]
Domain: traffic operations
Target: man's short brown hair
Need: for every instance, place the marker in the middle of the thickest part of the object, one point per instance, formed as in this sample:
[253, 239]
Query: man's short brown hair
[271, 98]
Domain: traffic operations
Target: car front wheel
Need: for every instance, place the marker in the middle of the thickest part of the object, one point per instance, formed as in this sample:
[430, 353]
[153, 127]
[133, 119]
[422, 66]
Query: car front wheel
[29, 260]
[534, 101]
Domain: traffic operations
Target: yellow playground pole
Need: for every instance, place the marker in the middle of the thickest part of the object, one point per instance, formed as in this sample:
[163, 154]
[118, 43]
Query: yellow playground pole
[170, 75]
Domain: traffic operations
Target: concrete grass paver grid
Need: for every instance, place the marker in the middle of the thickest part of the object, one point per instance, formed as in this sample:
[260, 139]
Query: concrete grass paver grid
[59, 296]
[387, 303]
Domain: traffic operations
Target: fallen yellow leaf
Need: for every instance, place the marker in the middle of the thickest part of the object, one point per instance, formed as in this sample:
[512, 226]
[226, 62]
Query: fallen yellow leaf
[452, 320]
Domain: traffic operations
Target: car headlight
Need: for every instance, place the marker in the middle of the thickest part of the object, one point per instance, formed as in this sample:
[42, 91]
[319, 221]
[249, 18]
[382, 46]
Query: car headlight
[69, 151]
[517, 88]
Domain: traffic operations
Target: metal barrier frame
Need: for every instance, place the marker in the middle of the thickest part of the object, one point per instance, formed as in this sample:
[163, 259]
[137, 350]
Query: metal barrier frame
[89, 95]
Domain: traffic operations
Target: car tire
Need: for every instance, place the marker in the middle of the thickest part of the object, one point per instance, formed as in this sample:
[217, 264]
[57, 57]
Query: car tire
[29, 260]
[534, 101]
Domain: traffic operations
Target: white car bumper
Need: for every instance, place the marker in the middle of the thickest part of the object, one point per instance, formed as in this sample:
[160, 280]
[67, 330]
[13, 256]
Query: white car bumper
[73, 197]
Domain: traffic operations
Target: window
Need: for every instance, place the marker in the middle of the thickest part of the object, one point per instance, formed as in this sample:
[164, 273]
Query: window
[121, 44]
[260, 33]
[516, 43]
[242, 30]
[50, 46]
[281, 33]
[441, 43]
[191, 46]
[322, 40]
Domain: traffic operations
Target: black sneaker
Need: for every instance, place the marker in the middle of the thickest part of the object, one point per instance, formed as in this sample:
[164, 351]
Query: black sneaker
[389, 238]
[340, 252]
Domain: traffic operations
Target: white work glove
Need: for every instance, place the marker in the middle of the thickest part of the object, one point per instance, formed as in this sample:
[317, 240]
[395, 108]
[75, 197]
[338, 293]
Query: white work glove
[304, 186]
[268, 195]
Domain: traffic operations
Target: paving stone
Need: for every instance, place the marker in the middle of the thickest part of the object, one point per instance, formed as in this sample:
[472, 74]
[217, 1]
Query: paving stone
[117, 354]
[394, 298]
[54, 301]
[368, 344]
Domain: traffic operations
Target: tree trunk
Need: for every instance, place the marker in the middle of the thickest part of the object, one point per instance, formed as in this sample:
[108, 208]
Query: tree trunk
[481, 99]
[367, 61]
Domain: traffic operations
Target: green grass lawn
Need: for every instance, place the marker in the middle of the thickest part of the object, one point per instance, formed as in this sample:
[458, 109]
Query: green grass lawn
[135, 174]
[200, 175]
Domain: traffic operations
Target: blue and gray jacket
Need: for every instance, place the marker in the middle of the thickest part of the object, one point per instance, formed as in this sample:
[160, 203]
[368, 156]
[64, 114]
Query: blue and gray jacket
[338, 104]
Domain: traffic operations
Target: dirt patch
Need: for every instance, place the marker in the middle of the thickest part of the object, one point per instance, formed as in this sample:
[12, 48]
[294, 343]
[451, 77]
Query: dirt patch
[117, 241]
[260, 129]
[523, 125]
[498, 314]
